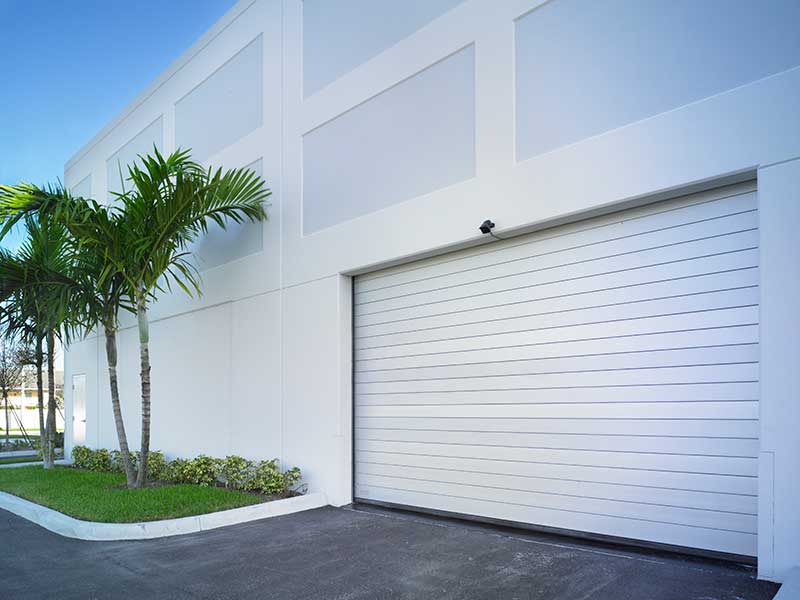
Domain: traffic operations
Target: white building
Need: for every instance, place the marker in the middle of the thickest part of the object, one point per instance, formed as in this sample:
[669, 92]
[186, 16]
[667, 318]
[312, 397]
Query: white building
[623, 363]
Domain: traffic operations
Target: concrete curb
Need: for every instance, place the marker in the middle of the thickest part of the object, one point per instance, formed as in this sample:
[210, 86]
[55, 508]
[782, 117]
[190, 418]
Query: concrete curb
[30, 464]
[87, 530]
[15, 453]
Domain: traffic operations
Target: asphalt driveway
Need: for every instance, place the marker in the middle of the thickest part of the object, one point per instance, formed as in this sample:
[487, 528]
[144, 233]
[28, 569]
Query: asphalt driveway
[331, 553]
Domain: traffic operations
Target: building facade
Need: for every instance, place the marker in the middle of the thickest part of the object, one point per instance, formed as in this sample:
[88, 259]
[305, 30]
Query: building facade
[621, 362]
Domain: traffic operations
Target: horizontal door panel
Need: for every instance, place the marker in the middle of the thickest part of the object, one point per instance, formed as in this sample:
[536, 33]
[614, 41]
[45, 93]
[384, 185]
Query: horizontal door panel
[665, 533]
[585, 233]
[617, 313]
[571, 379]
[744, 353]
[641, 492]
[675, 289]
[733, 467]
[703, 337]
[628, 510]
[672, 256]
[674, 427]
[704, 446]
[662, 393]
[586, 254]
[746, 487]
[730, 317]
[556, 289]
[597, 411]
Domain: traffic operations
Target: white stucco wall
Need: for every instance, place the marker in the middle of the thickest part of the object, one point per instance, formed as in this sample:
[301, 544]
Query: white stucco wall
[268, 345]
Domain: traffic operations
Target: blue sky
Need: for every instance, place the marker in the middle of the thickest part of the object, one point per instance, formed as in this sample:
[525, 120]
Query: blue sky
[68, 67]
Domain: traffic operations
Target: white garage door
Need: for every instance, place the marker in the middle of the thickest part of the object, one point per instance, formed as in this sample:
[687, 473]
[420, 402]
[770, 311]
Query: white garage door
[600, 377]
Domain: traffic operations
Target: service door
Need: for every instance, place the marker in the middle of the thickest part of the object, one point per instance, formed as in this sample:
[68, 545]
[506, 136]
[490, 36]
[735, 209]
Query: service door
[600, 377]
[79, 409]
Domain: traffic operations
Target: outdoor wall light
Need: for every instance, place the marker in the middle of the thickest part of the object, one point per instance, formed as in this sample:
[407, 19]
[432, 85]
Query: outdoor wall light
[486, 227]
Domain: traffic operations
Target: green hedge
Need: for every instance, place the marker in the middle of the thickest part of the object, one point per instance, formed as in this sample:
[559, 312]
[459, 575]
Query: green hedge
[233, 472]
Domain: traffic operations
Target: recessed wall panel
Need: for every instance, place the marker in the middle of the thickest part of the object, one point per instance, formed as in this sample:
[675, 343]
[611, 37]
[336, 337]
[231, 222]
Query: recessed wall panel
[141, 144]
[224, 108]
[583, 68]
[414, 138]
[83, 188]
[339, 36]
[219, 246]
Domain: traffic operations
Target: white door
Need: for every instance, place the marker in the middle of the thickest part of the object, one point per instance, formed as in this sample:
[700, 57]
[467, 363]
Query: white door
[600, 376]
[79, 409]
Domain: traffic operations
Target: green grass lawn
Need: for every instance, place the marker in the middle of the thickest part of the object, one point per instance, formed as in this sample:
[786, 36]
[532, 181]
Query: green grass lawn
[91, 496]
[19, 459]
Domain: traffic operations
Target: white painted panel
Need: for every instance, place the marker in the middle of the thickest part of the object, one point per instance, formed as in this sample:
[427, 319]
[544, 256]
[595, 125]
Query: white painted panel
[254, 428]
[219, 246]
[141, 144]
[313, 366]
[225, 107]
[414, 138]
[369, 28]
[607, 369]
[586, 68]
[83, 188]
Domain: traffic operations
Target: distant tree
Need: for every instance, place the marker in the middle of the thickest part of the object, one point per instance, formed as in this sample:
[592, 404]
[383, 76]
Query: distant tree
[11, 372]
[39, 304]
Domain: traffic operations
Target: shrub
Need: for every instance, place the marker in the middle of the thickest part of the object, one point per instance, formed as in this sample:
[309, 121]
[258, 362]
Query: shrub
[99, 460]
[267, 478]
[80, 456]
[198, 471]
[291, 478]
[157, 466]
[234, 472]
[174, 469]
[116, 465]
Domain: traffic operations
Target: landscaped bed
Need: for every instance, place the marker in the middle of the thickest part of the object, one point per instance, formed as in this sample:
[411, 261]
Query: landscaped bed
[101, 497]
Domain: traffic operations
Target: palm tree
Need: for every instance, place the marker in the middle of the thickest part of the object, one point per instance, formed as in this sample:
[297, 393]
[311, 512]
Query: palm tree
[141, 248]
[171, 202]
[32, 285]
[98, 289]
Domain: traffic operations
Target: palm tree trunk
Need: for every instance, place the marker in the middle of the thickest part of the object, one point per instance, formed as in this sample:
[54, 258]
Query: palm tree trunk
[49, 455]
[122, 437]
[144, 359]
[40, 391]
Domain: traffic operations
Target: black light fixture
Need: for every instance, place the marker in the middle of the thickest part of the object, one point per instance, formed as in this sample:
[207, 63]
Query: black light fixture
[486, 228]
